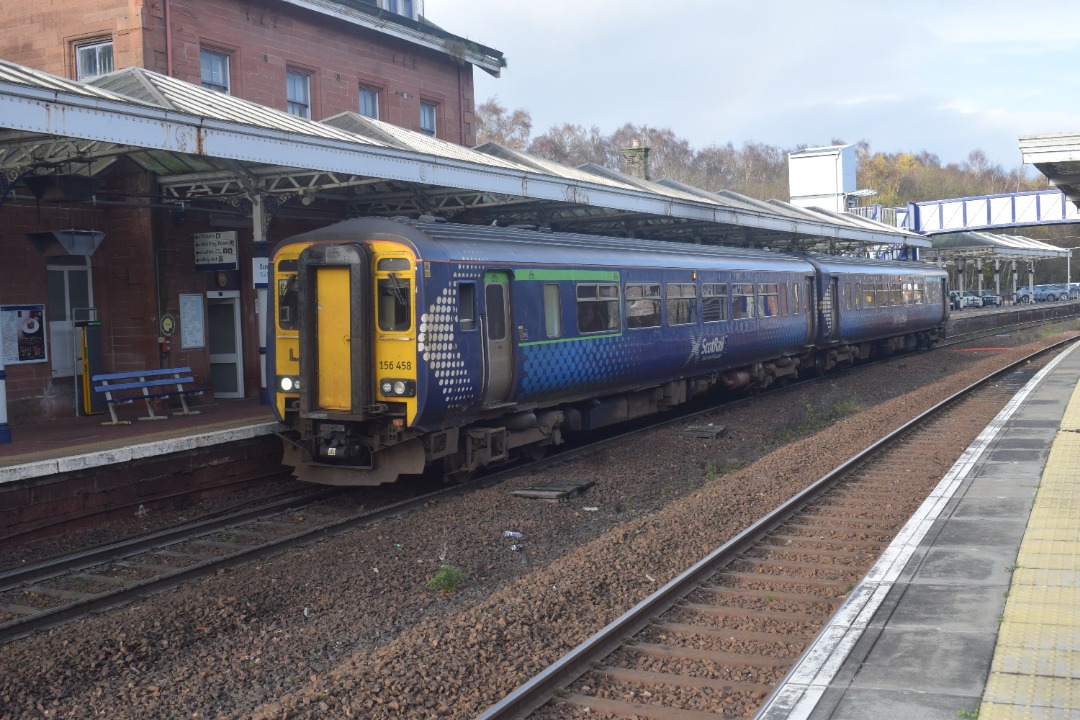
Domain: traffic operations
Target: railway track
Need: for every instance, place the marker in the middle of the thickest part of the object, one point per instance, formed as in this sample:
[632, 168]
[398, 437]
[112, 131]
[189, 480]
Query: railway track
[715, 641]
[64, 589]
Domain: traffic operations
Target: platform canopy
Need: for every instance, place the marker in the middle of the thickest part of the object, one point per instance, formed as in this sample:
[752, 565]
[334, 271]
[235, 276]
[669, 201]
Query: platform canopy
[1057, 156]
[212, 150]
[981, 246]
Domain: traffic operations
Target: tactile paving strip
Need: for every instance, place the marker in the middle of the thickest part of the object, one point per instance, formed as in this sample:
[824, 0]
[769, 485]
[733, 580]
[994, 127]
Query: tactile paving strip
[1035, 674]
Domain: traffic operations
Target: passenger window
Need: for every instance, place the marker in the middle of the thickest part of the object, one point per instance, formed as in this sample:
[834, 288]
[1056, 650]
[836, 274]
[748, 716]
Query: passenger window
[882, 295]
[496, 309]
[713, 302]
[742, 301]
[552, 311]
[395, 295]
[642, 305]
[796, 304]
[896, 298]
[597, 307]
[467, 306]
[681, 303]
[768, 299]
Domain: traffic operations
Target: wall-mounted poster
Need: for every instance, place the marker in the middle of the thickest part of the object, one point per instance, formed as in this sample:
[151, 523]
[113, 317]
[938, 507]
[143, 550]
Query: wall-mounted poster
[192, 322]
[23, 328]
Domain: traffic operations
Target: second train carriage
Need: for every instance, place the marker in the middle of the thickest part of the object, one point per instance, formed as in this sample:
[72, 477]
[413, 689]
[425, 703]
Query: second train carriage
[400, 343]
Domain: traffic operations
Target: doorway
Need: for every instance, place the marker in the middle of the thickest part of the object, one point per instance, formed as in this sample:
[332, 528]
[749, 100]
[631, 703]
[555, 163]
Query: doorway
[70, 297]
[226, 348]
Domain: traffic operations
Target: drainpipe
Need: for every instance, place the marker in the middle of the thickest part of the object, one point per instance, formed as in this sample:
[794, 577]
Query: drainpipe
[168, 40]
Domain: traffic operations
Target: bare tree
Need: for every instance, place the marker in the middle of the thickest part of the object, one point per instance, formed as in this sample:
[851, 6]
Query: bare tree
[494, 123]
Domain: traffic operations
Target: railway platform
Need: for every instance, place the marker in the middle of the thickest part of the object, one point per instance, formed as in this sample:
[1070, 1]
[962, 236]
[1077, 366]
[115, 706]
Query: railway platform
[974, 610]
[76, 443]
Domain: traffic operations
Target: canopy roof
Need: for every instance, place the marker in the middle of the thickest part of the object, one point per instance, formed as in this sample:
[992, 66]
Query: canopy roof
[205, 147]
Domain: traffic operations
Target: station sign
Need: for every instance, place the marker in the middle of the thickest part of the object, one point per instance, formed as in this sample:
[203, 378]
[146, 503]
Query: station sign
[216, 251]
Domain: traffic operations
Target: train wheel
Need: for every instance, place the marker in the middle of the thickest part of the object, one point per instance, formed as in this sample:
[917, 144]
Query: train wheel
[819, 366]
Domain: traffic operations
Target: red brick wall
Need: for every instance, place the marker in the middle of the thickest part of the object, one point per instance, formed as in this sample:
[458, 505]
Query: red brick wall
[263, 40]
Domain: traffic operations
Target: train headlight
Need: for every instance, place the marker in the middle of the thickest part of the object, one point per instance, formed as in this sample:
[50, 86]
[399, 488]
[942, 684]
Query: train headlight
[288, 383]
[397, 388]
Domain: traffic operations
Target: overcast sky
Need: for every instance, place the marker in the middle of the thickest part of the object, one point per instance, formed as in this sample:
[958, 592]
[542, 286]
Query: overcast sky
[947, 76]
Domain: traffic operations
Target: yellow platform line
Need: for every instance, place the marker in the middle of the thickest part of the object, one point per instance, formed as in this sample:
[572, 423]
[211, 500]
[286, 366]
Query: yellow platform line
[1035, 673]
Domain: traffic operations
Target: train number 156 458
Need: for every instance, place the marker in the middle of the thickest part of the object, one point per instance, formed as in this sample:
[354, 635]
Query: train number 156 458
[392, 365]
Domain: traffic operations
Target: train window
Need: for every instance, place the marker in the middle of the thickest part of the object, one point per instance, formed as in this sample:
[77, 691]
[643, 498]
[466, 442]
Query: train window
[742, 301]
[393, 263]
[552, 311]
[496, 307]
[466, 306]
[288, 302]
[896, 296]
[642, 305]
[713, 302]
[597, 307]
[868, 297]
[681, 303]
[882, 295]
[796, 302]
[395, 295]
[768, 299]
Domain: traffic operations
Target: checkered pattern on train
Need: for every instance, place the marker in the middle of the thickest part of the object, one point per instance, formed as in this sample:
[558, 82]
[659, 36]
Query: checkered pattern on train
[593, 362]
[457, 380]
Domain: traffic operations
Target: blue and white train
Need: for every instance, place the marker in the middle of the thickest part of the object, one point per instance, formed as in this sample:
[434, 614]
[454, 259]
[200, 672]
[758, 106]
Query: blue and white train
[401, 343]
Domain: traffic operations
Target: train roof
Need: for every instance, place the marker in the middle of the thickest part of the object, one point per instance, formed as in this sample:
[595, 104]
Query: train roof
[439, 241]
[842, 263]
[443, 241]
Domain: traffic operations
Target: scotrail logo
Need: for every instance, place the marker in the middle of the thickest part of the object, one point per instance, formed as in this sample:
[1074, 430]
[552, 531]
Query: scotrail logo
[706, 348]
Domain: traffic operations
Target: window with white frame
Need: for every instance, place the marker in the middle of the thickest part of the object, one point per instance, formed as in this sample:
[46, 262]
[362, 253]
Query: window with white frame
[427, 119]
[369, 102]
[93, 59]
[400, 7]
[214, 70]
[298, 93]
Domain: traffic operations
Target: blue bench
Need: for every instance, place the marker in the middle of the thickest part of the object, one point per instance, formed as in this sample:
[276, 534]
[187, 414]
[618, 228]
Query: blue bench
[151, 384]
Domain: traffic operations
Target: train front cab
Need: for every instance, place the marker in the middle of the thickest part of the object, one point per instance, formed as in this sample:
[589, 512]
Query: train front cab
[355, 385]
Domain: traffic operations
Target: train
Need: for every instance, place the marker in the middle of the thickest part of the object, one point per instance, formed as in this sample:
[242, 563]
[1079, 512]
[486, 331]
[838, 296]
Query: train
[399, 345]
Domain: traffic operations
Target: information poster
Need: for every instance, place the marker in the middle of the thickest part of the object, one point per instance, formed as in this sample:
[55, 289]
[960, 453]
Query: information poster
[23, 329]
[192, 322]
[216, 251]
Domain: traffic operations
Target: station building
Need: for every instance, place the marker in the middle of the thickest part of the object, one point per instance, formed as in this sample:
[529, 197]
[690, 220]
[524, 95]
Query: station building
[83, 232]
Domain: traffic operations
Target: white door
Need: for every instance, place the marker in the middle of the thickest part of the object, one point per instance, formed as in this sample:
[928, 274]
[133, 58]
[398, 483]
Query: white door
[226, 350]
[69, 296]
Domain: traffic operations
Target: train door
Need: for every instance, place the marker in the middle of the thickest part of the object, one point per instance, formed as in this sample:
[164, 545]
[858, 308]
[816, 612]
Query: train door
[832, 307]
[333, 337]
[809, 303]
[498, 342]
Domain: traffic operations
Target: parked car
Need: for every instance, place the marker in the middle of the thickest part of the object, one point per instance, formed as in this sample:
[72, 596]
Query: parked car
[971, 299]
[989, 297]
[967, 299]
[1051, 293]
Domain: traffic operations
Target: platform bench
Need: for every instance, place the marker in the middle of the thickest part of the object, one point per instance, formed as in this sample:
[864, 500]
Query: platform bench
[120, 389]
